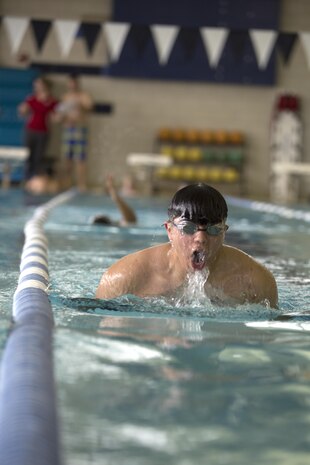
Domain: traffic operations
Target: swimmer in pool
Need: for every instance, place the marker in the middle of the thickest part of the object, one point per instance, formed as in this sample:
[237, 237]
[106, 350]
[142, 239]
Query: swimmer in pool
[196, 227]
[128, 216]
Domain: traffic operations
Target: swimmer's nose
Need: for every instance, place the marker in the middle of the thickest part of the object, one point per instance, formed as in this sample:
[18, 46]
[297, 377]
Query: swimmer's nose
[201, 237]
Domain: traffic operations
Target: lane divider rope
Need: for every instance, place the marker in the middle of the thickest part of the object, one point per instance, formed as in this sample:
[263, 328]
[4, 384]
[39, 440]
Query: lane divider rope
[28, 411]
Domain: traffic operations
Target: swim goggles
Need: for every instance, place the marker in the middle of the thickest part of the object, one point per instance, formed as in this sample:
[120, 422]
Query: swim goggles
[190, 228]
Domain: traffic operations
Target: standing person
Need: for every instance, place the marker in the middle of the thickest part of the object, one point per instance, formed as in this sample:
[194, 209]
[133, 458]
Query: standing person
[73, 112]
[38, 108]
[196, 229]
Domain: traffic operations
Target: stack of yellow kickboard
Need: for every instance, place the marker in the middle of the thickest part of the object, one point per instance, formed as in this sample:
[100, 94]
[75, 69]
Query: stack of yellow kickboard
[213, 156]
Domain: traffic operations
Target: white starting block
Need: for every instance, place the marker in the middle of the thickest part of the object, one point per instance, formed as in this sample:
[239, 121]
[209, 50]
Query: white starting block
[153, 160]
[10, 156]
[282, 189]
[13, 153]
[145, 163]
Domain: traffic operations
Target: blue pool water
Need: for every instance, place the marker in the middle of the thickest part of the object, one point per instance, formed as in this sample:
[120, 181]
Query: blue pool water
[147, 382]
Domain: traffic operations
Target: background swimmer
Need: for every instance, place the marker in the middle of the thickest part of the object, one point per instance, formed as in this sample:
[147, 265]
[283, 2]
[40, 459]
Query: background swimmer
[128, 216]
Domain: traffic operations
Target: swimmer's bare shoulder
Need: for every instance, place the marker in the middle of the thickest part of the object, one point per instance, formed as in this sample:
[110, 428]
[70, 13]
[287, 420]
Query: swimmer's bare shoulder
[136, 273]
[245, 279]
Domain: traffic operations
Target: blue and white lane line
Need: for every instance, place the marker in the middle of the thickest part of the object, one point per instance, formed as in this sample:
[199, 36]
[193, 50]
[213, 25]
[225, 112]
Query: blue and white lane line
[284, 212]
[28, 412]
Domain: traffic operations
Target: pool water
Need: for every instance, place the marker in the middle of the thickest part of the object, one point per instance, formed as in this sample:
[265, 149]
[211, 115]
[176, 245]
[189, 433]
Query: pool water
[143, 381]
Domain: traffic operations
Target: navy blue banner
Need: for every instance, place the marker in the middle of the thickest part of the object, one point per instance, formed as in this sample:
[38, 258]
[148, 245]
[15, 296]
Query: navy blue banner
[233, 14]
[188, 59]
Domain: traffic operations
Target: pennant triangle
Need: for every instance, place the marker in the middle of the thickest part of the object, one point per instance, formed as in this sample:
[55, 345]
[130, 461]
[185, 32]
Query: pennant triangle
[263, 43]
[237, 42]
[90, 32]
[40, 31]
[16, 28]
[305, 41]
[116, 34]
[164, 38]
[214, 39]
[66, 31]
[285, 44]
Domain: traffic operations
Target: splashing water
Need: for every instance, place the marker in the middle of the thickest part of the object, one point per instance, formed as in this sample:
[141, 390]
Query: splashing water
[193, 292]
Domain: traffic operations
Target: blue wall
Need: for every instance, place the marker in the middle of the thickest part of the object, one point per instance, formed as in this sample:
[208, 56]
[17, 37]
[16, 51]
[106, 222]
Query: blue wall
[15, 85]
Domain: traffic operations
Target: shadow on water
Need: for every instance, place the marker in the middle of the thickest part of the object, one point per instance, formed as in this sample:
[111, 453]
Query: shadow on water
[158, 307]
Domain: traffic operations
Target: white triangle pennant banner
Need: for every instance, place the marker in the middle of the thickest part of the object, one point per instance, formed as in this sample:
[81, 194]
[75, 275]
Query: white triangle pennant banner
[214, 39]
[116, 34]
[305, 41]
[66, 32]
[164, 37]
[16, 28]
[263, 43]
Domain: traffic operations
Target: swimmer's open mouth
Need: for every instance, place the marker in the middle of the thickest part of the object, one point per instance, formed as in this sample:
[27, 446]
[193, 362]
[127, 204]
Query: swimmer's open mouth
[198, 259]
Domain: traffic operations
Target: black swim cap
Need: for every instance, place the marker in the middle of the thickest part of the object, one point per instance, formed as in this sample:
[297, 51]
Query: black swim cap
[199, 203]
[102, 219]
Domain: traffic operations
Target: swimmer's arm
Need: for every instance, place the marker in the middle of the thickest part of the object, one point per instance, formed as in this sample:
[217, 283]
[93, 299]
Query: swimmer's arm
[110, 287]
[120, 279]
[128, 215]
[264, 289]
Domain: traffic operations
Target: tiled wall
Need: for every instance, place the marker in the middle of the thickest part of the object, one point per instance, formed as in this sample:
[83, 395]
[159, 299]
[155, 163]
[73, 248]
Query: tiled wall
[141, 107]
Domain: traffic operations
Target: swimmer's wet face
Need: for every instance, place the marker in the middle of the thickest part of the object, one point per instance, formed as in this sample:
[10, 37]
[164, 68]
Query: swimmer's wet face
[196, 225]
[196, 245]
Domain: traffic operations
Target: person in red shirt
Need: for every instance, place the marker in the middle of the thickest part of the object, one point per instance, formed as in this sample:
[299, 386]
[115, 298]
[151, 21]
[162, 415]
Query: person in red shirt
[37, 108]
